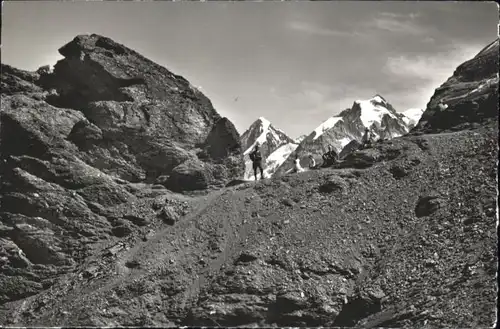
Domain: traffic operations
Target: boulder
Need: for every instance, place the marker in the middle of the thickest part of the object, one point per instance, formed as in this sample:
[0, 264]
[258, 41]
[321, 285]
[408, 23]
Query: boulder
[361, 159]
[122, 230]
[33, 127]
[428, 204]
[169, 215]
[191, 175]
[85, 133]
[40, 246]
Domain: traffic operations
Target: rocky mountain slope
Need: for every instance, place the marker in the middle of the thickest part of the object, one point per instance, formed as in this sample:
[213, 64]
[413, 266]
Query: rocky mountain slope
[75, 141]
[408, 241]
[270, 140]
[468, 97]
[338, 131]
[404, 235]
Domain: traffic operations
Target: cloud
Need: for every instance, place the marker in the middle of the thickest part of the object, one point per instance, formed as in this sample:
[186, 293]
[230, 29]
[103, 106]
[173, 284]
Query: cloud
[312, 94]
[397, 23]
[431, 67]
[320, 100]
[421, 75]
[399, 16]
[317, 30]
[403, 24]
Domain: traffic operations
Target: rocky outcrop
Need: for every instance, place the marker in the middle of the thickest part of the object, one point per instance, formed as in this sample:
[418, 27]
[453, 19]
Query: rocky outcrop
[469, 98]
[115, 92]
[75, 140]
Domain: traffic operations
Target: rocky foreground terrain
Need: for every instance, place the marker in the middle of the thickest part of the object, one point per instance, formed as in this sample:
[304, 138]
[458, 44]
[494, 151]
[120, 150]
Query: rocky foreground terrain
[402, 234]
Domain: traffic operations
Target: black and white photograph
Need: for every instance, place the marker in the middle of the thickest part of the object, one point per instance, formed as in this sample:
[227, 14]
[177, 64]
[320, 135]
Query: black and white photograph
[249, 164]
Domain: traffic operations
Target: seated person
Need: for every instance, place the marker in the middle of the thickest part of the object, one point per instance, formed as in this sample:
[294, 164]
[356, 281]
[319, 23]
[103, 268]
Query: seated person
[312, 162]
[334, 156]
[330, 157]
[297, 168]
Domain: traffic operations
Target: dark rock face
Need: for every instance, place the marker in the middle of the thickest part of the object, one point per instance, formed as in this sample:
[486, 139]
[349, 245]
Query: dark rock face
[74, 140]
[223, 140]
[124, 94]
[468, 98]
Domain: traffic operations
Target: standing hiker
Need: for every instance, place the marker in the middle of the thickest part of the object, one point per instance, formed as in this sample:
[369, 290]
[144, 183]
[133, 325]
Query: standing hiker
[256, 158]
[367, 138]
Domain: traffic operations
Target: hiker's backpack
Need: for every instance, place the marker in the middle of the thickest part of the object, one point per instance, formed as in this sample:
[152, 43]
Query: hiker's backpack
[252, 156]
[256, 156]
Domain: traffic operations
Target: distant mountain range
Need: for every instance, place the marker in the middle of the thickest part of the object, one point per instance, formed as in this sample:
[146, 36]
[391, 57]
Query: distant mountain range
[338, 131]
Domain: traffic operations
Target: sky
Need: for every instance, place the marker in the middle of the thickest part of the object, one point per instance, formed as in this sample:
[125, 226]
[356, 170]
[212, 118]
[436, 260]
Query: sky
[294, 63]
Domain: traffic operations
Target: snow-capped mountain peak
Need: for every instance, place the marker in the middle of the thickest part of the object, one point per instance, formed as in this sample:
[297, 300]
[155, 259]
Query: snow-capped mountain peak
[264, 121]
[375, 113]
[257, 133]
[373, 110]
[377, 99]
